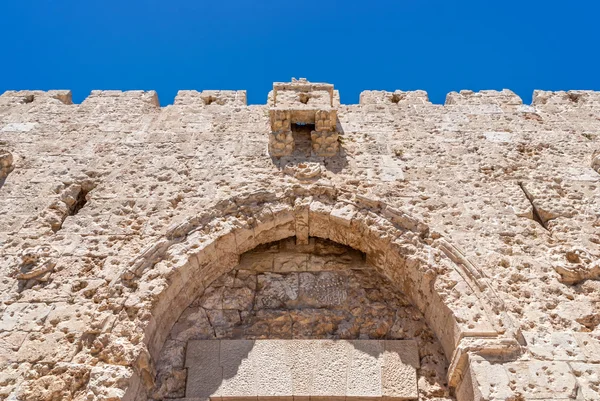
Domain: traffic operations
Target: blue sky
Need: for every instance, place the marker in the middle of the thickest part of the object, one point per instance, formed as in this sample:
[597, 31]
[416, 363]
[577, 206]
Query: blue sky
[435, 45]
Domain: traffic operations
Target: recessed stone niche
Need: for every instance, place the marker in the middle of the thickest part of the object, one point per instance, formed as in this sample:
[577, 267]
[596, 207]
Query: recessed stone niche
[295, 293]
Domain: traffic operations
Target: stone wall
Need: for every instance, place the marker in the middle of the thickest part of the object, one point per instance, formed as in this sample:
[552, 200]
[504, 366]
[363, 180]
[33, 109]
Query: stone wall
[116, 213]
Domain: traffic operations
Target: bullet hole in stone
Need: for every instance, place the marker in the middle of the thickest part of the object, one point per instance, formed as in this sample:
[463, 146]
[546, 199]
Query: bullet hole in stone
[6, 165]
[27, 99]
[304, 98]
[574, 97]
[209, 100]
[396, 98]
[74, 207]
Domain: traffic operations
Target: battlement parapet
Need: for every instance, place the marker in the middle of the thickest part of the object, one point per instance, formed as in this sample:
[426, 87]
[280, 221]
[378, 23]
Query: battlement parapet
[561, 100]
[36, 96]
[122, 99]
[211, 97]
[504, 97]
[397, 97]
[303, 95]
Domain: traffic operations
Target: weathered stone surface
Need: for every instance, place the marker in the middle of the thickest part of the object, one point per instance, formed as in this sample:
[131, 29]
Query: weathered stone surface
[128, 229]
[319, 369]
[400, 362]
[205, 372]
[311, 302]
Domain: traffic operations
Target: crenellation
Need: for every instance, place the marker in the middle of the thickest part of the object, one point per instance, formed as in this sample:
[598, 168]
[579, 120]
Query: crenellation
[556, 102]
[505, 99]
[133, 100]
[210, 97]
[397, 97]
[36, 96]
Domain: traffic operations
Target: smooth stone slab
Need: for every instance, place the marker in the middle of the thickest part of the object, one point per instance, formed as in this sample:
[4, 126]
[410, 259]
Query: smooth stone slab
[302, 370]
[204, 372]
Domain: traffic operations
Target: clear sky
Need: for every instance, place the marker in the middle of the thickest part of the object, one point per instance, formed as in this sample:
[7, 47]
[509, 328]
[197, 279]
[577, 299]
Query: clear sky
[435, 45]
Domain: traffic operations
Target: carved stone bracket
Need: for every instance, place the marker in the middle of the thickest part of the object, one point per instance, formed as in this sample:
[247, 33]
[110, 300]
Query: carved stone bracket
[324, 143]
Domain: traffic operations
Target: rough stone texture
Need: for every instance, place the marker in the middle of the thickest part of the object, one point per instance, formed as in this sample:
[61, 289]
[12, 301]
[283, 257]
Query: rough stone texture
[117, 214]
[319, 290]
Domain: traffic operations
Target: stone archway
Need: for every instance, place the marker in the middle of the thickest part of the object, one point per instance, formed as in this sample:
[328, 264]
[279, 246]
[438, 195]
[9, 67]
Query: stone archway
[287, 296]
[452, 294]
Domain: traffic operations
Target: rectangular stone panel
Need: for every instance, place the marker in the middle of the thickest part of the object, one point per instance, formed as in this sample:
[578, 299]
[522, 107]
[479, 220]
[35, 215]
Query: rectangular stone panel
[303, 370]
[399, 370]
[204, 372]
[239, 373]
[364, 370]
[331, 368]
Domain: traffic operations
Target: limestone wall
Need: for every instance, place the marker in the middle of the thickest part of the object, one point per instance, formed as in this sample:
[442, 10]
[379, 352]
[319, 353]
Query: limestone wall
[490, 206]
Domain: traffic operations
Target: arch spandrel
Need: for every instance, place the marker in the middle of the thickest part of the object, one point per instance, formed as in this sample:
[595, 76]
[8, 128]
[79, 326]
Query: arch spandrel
[450, 292]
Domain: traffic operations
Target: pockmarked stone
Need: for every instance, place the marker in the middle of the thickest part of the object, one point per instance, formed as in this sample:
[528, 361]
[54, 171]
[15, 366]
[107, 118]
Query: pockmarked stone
[130, 230]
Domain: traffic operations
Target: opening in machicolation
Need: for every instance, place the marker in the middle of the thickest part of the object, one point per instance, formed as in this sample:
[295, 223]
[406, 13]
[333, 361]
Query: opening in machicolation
[301, 133]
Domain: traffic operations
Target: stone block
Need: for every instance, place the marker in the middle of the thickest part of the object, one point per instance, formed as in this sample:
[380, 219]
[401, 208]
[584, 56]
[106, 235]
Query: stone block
[331, 368]
[588, 378]
[542, 379]
[258, 262]
[272, 367]
[239, 370]
[399, 369]
[286, 262]
[318, 218]
[204, 370]
[589, 345]
[487, 381]
[561, 346]
[365, 369]
[302, 355]
[301, 215]
[24, 316]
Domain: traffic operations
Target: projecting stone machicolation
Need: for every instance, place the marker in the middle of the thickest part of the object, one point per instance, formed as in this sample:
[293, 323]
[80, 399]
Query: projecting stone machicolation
[300, 250]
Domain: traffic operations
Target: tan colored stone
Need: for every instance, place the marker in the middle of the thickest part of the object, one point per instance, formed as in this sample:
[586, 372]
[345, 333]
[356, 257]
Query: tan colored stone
[399, 365]
[365, 370]
[138, 209]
